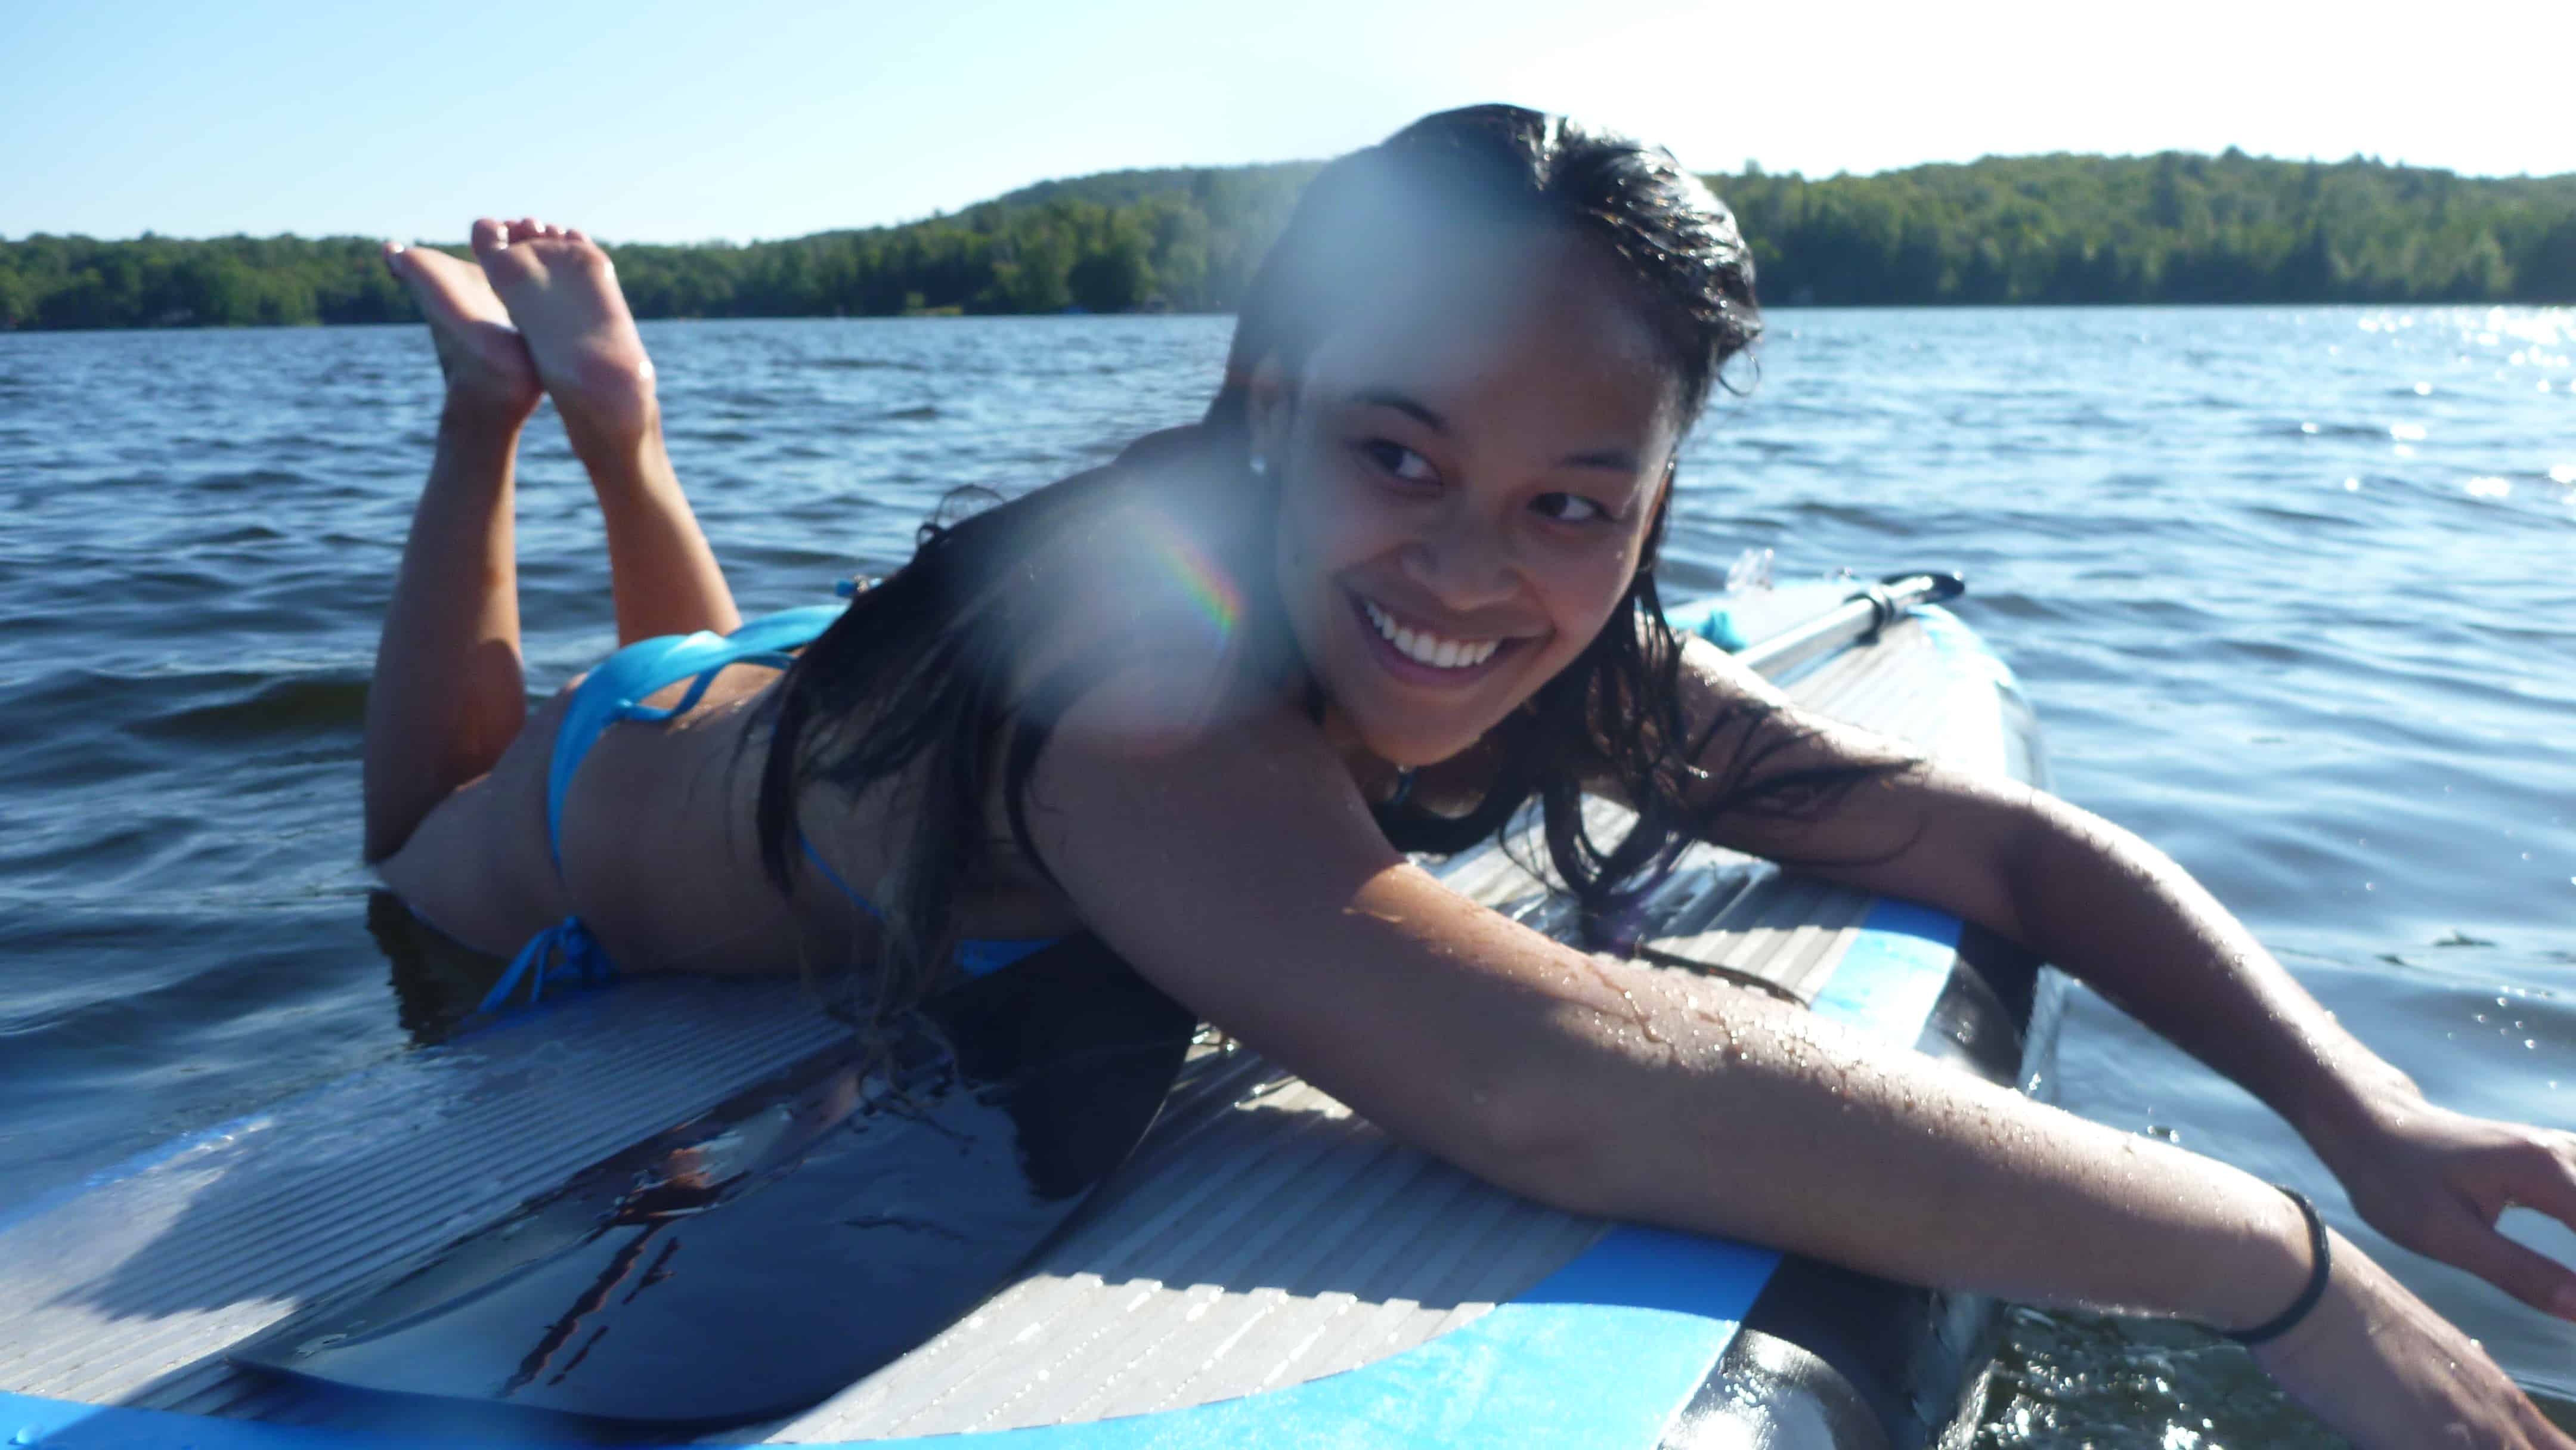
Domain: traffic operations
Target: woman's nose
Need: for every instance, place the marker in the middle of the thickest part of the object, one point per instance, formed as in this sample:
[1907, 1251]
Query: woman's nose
[1463, 561]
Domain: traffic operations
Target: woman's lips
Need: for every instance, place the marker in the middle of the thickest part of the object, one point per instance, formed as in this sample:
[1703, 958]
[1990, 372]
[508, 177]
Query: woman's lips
[1413, 671]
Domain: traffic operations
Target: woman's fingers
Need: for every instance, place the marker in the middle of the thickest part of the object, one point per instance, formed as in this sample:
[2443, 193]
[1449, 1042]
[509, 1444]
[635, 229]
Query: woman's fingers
[2534, 1174]
[2528, 1275]
[2541, 1173]
[2439, 1181]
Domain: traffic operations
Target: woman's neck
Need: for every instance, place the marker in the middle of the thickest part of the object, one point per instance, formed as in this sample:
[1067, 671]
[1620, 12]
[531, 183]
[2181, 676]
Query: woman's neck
[1381, 782]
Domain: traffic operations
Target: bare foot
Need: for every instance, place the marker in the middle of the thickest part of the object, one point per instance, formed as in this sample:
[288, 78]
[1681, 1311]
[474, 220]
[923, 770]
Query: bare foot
[561, 291]
[486, 364]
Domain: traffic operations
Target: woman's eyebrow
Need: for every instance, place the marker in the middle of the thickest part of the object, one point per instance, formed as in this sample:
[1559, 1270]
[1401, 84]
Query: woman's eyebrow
[1617, 460]
[1410, 407]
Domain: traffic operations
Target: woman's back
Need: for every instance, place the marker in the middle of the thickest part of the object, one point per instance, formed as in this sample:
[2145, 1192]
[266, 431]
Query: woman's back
[659, 855]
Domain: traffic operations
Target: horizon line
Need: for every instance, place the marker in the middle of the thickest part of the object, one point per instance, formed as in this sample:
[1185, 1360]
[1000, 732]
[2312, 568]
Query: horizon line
[1752, 168]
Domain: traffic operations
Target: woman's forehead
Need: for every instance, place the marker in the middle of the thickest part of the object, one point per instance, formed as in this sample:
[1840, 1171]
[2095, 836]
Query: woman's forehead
[1523, 320]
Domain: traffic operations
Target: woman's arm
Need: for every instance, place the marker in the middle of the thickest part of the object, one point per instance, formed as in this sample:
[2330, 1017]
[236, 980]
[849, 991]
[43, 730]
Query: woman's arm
[2107, 906]
[1244, 876]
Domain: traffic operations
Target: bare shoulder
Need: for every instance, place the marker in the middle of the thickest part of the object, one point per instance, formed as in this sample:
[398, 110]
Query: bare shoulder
[1715, 683]
[1141, 609]
[1841, 801]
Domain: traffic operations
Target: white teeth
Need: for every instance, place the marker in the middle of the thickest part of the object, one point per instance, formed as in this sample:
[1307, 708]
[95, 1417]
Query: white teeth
[1430, 649]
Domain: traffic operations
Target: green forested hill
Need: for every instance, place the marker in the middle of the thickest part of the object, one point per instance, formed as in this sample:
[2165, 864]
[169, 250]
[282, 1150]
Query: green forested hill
[2168, 228]
[2036, 229]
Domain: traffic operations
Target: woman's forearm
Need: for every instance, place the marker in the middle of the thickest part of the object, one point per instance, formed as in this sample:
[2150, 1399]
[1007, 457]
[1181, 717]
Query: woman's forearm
[1679, 1101]
[2079, 891]
[2120, 914]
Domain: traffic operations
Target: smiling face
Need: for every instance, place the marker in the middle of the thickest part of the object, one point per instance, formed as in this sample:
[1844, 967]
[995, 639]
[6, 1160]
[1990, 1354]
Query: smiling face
[1468, 469]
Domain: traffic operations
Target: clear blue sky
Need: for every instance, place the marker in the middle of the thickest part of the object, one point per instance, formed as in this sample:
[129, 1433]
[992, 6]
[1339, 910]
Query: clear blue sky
[660, 121]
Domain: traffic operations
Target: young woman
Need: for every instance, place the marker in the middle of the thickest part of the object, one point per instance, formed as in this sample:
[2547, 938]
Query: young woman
[1397, 583]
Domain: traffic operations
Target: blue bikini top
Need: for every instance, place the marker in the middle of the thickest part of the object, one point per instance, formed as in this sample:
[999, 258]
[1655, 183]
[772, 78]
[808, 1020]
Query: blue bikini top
[615, 691]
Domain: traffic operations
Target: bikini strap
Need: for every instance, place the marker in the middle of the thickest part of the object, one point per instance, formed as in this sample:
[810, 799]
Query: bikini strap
[976, 956]
[563, 953]
[616, 688]
[698, 684]
[805, 843]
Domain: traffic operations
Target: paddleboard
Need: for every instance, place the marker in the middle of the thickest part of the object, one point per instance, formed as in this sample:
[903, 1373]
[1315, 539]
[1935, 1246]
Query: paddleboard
[1265, 1268]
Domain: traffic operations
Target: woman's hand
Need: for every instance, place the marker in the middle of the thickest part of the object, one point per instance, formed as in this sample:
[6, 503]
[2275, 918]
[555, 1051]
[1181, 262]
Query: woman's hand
[2383, 1369]
[2436, 1181]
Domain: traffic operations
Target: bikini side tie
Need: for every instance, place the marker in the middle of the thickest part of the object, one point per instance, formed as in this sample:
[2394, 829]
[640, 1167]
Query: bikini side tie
[563, 953]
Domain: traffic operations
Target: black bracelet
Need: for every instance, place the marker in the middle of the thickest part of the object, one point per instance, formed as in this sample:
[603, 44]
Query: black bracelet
[2321, 1264]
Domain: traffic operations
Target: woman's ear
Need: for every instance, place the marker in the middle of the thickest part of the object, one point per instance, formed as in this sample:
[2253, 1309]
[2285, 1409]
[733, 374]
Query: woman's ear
[1653, 547]
[1268, 405]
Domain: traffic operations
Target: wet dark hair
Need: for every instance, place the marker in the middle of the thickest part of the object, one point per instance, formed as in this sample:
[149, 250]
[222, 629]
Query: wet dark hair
[914, 683]
[1485, 168]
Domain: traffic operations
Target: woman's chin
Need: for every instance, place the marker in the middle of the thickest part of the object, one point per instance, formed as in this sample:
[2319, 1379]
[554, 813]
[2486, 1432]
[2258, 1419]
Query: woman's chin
[1399, 722]
[1414, 743]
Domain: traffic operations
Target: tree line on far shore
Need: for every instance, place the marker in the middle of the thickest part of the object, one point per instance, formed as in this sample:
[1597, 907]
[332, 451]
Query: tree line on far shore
[2174, 227]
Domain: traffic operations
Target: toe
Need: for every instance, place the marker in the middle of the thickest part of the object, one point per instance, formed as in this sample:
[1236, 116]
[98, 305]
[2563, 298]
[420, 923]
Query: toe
[575, 234]
[524, 229]
[393, 255]
[489, 236]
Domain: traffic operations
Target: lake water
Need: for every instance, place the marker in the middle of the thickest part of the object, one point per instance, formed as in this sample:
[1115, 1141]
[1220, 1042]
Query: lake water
[2291, 589]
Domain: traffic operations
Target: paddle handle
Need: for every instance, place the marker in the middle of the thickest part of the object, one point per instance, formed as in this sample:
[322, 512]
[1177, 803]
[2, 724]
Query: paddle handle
[1857, 620]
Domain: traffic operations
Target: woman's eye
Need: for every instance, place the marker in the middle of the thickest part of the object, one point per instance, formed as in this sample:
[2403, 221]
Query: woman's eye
[1398, 460]
[1571, 508]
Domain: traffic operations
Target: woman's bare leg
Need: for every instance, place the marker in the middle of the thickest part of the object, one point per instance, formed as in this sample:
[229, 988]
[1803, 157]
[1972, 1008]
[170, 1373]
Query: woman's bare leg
[448, 695]
[561, 292]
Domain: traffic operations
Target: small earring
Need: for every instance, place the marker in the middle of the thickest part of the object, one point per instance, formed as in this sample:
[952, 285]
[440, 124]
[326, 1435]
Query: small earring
[1259, 463]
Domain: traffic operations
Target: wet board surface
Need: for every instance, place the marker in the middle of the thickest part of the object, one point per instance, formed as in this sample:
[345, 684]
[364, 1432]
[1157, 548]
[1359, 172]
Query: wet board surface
[797, 1237]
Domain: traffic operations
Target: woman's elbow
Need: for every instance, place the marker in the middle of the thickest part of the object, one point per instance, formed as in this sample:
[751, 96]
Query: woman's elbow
[1533, 1134]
